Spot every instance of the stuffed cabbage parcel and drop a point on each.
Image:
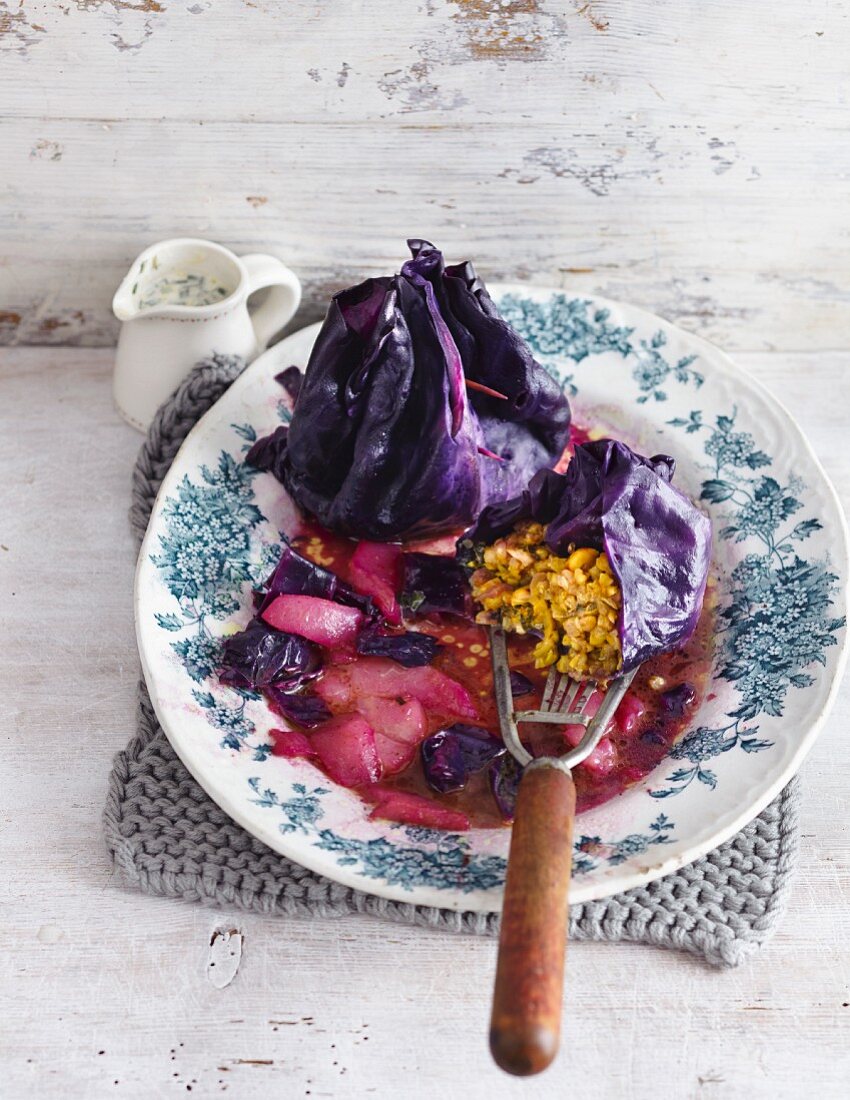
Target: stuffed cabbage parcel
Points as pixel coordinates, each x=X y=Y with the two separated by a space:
x=419 y=406
x=605 y=565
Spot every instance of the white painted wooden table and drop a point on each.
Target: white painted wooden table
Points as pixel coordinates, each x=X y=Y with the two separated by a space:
x=106 y=992
x=690 y=158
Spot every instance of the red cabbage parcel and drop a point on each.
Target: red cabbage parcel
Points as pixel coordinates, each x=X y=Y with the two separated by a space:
x=606 y=563
x=419 y=405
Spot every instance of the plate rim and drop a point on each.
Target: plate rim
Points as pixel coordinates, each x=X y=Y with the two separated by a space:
x=615 y=880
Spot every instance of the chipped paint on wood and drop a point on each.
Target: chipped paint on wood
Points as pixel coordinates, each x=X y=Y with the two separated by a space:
x=120 y=43
x=587 y=10
x=724 y=155
x=46 y=150
x=43 y=322
x=597 y=178
x=130 y=37
x=224 y=956
x=17 y=33
x=9 y=321
x=507 y=30
x=147 y=6
x=413 y=88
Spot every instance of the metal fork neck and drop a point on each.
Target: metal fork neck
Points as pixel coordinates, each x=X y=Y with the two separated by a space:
x=557 y=762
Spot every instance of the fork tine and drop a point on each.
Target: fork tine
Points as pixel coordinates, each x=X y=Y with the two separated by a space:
x=562 y=697
x=572 y=701
x=551 y=681
x=586 y=693
x=564 y=693
x=566 y=696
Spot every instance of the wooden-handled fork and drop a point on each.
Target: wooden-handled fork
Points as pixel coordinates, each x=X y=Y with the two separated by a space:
x=525 y=1026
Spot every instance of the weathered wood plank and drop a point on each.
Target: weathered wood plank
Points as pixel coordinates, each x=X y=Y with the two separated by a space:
x=638 y=151
x=735 y=267
x=525 y=61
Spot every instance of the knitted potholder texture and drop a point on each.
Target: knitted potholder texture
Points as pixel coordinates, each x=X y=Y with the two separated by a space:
x=167 y=837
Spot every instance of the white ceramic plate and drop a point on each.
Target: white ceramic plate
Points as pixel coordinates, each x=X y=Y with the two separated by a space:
x=780 y=557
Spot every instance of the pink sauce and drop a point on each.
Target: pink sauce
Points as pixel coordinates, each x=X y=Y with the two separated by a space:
x=639 y=740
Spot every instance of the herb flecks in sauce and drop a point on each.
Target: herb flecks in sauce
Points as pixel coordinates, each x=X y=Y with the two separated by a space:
x=179 y=288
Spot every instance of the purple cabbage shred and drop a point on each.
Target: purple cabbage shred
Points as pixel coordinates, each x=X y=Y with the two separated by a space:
x=450 y=756
x=260 y=656
x=505 y=774
x=434 y=584
x=411 y=649
x=302 y=708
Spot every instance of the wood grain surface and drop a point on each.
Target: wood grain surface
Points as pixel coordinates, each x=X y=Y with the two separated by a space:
x=691 y=158
x=101 y=985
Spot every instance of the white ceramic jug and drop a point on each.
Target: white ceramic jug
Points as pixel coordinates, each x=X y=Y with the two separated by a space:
x=181 y=301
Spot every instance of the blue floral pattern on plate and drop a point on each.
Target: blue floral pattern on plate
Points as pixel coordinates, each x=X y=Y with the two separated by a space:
x=215 y=534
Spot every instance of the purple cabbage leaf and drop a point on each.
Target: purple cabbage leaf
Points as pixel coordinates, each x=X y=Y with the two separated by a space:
x=269 y=452
x=302 y=708
x=291 y=380
x=411 y=649
x=520 y=684
x=295 y=575
x=259 y=656
x=433 y=584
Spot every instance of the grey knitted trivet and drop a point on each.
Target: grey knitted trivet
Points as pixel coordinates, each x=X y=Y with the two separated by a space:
x=166 y=836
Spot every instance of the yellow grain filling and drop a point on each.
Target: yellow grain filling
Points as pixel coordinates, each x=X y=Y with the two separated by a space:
x=572 y=601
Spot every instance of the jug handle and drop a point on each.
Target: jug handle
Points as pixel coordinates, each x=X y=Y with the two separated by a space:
x=284 y=295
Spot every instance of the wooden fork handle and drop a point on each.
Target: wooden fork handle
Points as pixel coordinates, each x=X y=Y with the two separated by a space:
x=525 y=1027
